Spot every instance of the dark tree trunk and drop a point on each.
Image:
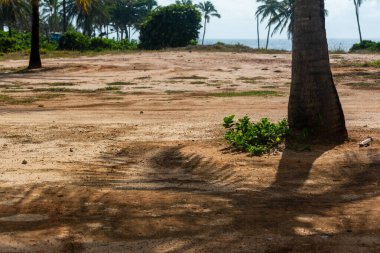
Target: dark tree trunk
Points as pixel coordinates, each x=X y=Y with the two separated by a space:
x=204 y=31
x=269 y=29
x=35 y=59
x=258 y=32
x=314 y=103
x=64 y=12
x=358 y=20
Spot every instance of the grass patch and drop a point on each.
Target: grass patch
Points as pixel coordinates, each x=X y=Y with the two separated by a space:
x=61 y=84
x=363 y=85
x=198 y=82
x=372 y=64
x=176 y=91
x=5 y=99
x=69 y=90
x=120 y=83
x=193 y=77
x=143 y=78
x=255 y=93
x=143 y=87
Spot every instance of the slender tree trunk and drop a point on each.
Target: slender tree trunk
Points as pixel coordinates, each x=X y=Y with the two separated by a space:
x=204 y=31
x=64 y=16
x=269 y=29
x=314 y=102
x=1 y=26
x=358 y=20
x=35 y=59
x=258 y=32
x=10 y=30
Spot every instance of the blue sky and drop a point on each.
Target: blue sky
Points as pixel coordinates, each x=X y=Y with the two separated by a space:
x=238 y=19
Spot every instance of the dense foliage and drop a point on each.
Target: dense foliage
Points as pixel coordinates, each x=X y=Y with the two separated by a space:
x=175 y=25
x=77 y=41
x=74 y=41
x=256 y=138
x=366 y=45
x=18 y=42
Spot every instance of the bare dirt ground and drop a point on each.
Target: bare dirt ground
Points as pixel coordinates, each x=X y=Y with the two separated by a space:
x=143 y=167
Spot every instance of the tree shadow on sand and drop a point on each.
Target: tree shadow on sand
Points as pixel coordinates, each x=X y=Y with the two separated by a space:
x=194 y=198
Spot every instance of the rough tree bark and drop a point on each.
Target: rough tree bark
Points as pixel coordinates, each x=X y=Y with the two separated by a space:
x=314 y=102
x=35 y=59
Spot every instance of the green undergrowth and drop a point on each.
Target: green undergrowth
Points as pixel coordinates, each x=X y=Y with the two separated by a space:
x=256 y=138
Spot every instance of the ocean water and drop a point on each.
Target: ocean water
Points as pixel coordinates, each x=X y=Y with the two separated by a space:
x=284 y=44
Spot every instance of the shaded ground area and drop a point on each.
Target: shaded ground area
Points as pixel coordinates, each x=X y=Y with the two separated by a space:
x=143 y=167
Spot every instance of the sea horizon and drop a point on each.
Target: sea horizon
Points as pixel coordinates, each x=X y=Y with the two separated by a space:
x=335 y=44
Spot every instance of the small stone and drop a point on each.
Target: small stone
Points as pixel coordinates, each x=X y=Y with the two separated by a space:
x=71 y=150
x=24 y=162
x=141 y=112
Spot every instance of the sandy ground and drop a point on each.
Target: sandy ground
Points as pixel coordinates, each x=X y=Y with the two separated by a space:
x=145 y=168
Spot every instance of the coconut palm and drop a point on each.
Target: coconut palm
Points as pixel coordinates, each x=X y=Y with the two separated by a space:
x=209 y=11
x=14 y=14
x=284 y=17
x=184 y=2
x=314 y=103
x=357 y=4
x=267 y=10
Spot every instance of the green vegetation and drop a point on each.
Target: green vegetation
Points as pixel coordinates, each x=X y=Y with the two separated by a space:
x=255 y=93
x=176 y=25
x=373 y=64
x=77 y=41
x=5 y=99
x=256 y=138
x=120 y=83
x=366 y=45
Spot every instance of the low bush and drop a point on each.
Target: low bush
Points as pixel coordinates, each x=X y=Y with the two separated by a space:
x=366 y=45
x=18 y=42
x=74 y=41
x=256 y=138
x=102 y=43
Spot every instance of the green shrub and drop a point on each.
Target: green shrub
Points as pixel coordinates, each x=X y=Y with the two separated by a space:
x=256 y=138
x=8 y=44
x=366 y=45
x=18 y=42
x=74 y=41
x=175 y=25
x=102 y=43
x=127 y=45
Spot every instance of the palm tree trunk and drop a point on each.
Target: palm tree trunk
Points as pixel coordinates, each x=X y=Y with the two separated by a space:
x=35 y=59
x=258 y=31
x=314 y=103
x=269 y=28
x=358 y=20
x=204 y=32
x=64 y=16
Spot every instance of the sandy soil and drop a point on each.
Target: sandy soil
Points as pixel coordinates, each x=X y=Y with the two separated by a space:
x=145 y=168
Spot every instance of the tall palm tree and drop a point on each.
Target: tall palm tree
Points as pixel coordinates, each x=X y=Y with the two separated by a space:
x=314 y=102
x=209 y=11
x=267 y=10
x=284 y=17
x=357 y=4
x=14 y=14
x=184 y=2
